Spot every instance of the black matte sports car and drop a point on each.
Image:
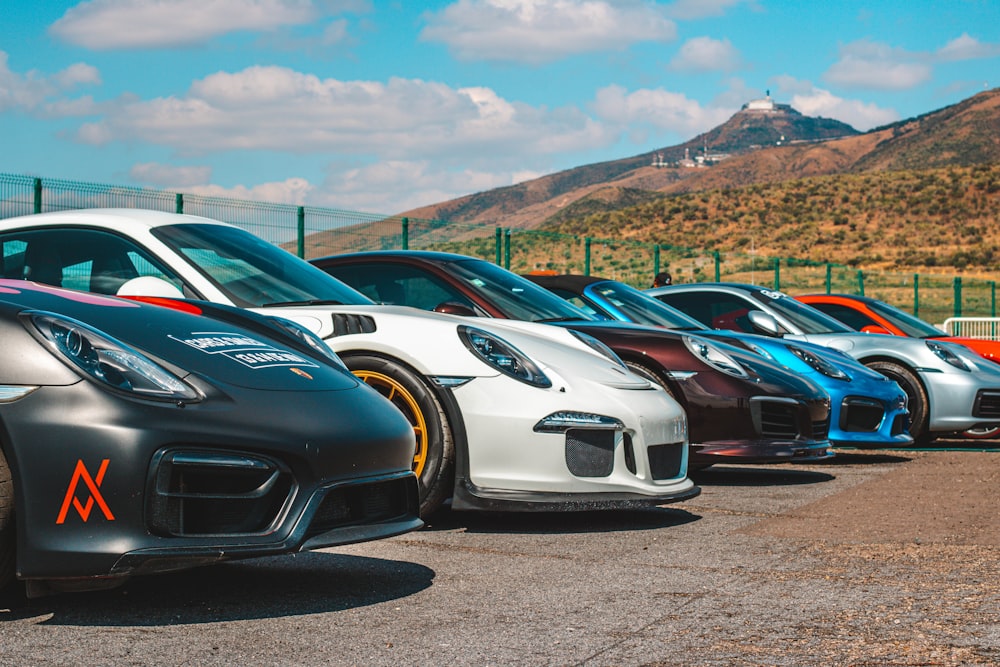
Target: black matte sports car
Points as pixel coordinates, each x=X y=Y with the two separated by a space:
x=139 y=439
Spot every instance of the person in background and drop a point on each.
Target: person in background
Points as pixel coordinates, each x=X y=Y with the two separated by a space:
x=662 y=278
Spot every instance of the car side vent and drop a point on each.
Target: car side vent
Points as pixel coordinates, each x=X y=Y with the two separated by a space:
x=349 y=323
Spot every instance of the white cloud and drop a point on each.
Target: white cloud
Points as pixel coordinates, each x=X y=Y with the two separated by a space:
x=274 y=108
x=32 y=90
x=877 y=66
x=812 y=101
x=168 y=176
x=965 y=47
x=541 y=31
x=137 y=24
x=399 y=185
x=658 y=109
x=704 y=54
x=290 y=191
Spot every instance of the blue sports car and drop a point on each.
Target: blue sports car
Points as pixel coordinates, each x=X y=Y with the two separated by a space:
x=867 y=408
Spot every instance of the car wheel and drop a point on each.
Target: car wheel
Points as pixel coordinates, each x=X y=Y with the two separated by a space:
x=7 y=532
x=649 y=374
x=916 y=397
x=982 y=433
x=433 y=459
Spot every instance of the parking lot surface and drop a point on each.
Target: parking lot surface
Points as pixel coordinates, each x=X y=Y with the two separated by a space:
x=872 y=558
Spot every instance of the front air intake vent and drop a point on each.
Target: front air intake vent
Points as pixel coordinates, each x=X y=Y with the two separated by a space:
x=349 y=323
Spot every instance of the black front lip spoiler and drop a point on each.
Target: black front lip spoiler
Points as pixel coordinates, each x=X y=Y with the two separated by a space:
x=468 y=496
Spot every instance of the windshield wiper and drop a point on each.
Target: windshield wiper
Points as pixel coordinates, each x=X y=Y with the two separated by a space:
x=307 y=302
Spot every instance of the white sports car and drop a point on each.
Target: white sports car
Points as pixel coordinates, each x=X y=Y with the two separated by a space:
x=507 y=415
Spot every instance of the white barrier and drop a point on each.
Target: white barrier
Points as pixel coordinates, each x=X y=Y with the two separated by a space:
x=984 y=328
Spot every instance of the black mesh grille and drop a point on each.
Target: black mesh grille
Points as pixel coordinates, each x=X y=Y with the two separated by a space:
x=347 y=323
x=987 y=404
x=590 y=452
x=361 y=504
x=204 y=492
x=778 y=419
x=861 y=414
x=665 y=460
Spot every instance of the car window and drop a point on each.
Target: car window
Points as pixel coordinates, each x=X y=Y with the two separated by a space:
x=90 y=260
x=398 y=284
x=852 y=318
x=717 y=310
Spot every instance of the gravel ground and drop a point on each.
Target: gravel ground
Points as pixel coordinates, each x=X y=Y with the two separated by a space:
x=873 y=558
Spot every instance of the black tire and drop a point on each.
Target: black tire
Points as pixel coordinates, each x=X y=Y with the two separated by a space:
x=916 y=397
x=434 y=458
x=651 y=375
x=8 y=545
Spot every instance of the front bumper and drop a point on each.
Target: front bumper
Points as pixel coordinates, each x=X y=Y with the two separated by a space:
x=111 y=486
x=514 y=465
x=960 y=400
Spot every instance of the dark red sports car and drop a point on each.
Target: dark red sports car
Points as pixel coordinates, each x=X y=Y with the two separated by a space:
x=740 y=406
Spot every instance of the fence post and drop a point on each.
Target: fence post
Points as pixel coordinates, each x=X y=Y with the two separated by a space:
x=718 y=266
x=958 y=296
x=586 y=256
x=38 y=196
x=777 y=273
x=178 y=203
x=498 y=245
x=656 y=259
x=861 y=282
x=406 y=233
x=993 y=298
x=506 y=249
x=300 y=232
x=916 y=295
x=829 y=278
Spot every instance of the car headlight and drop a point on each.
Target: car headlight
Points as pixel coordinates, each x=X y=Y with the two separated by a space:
x=715 y=357
x=503 y=356
x=949 y=356
x=818 y=363
x=107 y=360
x=599 y=347
x=314 y=342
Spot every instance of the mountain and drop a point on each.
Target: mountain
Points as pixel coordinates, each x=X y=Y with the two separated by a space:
x=762 y=143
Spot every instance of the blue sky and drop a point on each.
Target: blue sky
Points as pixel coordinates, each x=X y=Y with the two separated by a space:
x=382 y=106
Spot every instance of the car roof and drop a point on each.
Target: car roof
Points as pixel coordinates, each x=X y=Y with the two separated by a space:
x=573 y=282
x=430 y=255
x=113 y=218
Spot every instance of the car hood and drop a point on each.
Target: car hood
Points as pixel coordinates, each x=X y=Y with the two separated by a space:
x=430 y=342
x=914 y=351
x=220 y=352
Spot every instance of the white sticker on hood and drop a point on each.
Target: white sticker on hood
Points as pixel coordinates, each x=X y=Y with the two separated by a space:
x=248 y=351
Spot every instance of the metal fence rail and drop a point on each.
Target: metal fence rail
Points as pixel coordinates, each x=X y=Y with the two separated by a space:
x=311 y=232
x=984 y=328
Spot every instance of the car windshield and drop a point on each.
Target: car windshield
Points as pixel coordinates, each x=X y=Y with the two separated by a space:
x=641 y=308
x=517 y=297
x=806 y=318
x=252 y=272
x=908 y=324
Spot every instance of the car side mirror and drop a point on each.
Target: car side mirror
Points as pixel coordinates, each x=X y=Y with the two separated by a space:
x=875 y=329
x=149 y=286
x=764 y=323
x=455 y=308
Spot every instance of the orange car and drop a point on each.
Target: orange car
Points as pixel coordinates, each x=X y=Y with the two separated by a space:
x=877 y=317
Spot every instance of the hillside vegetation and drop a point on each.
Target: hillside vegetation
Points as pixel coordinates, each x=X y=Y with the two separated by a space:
x=914 y=220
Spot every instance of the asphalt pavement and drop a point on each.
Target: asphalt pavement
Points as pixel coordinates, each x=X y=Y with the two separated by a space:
x=770 y=565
